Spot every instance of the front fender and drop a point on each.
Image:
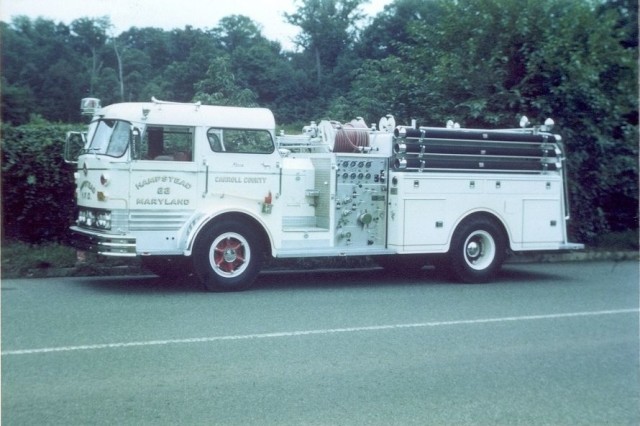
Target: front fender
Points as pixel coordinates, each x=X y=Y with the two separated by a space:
x=201 y=220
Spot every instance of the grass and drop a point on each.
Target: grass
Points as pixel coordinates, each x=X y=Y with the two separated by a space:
x=21 y=260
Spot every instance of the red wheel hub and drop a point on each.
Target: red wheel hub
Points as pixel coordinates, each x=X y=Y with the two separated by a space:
x=229 y=255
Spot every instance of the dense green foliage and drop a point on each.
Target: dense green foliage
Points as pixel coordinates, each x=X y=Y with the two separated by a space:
x=487 y=62
x=482 y=63
x=37 y=185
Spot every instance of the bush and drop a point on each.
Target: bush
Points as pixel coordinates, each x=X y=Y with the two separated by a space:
x=37 y=185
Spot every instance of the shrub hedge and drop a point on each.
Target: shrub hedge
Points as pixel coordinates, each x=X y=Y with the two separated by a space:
x=37 y=185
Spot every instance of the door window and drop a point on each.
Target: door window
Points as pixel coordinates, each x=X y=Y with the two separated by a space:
x=167 y=143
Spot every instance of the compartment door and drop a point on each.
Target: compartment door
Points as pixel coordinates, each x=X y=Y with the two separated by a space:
x=541 y=221
x=424 y=222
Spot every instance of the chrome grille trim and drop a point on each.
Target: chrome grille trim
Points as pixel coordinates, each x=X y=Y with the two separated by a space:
x=155 y=220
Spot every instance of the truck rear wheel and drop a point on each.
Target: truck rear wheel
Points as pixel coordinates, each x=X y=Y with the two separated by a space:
x=227 y=256
x=477 y=251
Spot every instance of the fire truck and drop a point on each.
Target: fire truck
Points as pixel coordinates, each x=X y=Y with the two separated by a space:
x=213 y=191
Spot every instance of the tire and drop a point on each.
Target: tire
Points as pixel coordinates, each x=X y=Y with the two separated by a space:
x=478 y=249
x=170 y=267
x=228 y=256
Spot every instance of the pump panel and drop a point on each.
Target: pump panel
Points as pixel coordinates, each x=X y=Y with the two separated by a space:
x=361 y=201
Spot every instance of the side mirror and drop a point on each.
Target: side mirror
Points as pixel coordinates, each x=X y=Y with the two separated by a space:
x=73 y=146
x=135 y=143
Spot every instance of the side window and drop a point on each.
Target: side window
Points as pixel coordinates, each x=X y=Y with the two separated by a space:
x=167 y=143
x=246 y=141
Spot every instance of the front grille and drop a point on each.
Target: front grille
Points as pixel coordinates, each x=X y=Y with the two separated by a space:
x=156 y=220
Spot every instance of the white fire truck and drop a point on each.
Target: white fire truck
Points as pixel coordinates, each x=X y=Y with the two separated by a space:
x=212 y=190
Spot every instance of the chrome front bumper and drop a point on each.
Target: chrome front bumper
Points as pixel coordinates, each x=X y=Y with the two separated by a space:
x=104 y=244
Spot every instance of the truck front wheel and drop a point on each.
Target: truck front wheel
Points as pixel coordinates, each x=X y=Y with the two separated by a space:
x=227 y=256
x=477 y=251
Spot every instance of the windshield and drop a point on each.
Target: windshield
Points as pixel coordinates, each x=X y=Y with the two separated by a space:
x=111 y=137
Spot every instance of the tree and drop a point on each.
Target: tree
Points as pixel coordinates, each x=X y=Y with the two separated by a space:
x=91 y=34
x=192 y=51
x=220 y=88
x=15 y=93
x=390 y=29
x=479 y=62
x=238 y=32
x=17 y=103
x=485 y=62
x=29 y=49
x=255 y=62
x=328 y=28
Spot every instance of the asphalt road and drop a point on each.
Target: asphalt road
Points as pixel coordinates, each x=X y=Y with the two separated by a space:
x=545 y=344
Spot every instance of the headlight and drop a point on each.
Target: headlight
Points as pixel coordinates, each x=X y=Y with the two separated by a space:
x=103 y=220
x=86 y=218
x=94 y=219
x=90 y=218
